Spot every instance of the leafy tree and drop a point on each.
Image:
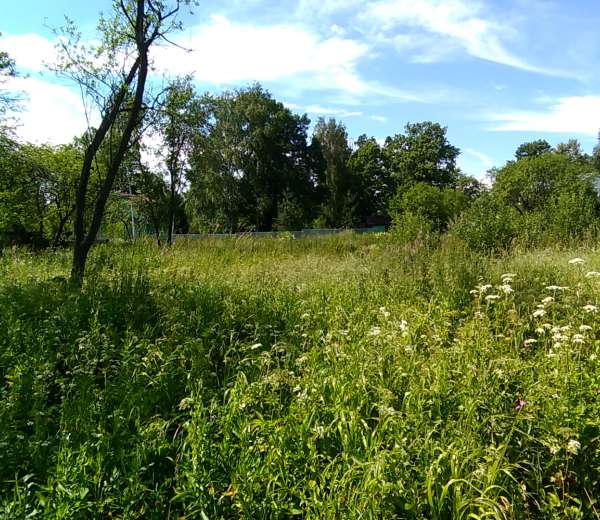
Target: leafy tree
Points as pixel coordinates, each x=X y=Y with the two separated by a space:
x=437 y=206
x=422 y=154
x=572 y=149
x=533 y=149
x=332 y=137
x=252 y=156
x=7 y=70
x=118 y=92
x=179 y=120
x=369 y=178
x=528 y=184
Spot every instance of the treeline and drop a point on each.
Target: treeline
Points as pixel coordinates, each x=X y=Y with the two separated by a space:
x=242 y=161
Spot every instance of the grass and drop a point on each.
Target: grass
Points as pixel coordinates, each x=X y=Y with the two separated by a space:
x=334 y=377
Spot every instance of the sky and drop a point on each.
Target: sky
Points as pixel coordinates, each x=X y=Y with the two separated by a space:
x=496 y=73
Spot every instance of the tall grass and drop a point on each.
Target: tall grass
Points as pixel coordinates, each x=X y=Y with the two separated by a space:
x=334 y=377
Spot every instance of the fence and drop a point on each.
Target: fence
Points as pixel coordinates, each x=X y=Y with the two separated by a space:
x=276 y=234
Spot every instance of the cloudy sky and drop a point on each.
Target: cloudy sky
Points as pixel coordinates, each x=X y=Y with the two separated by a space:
x=496 y=73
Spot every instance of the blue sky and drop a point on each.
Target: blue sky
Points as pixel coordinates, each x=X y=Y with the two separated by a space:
x=496 y=73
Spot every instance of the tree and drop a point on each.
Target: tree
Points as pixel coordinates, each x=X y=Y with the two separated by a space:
x=370 y=179
x=251 y=161
x=7 y=70
x=422 y=154
x=572 y=149
x=118 y=93
x=533 y=149
x=180 y=119
x=333 y=142
x=530 y=183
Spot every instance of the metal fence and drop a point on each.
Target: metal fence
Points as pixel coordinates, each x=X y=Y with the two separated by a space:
x=278 y=234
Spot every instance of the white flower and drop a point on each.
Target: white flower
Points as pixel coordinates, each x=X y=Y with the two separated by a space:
x=540 y=330
x=375 y=331
x=403 y=325
x=593 y=357
x=509 y=275
x=556 y=288
x=577 y=338
x=592 y=274
x=573 y=446
x=547 y=300
x=506 y=289
x=492 y=297
x=539 y=313
x=577 y=261
x=384 y=312
x=485 y=288
x=529 y=342
x=474 y=291
x=584 y=328
x=590 y=308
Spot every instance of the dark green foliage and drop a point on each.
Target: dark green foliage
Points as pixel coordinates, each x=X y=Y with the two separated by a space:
x=253 y=155
x=422 y=154
x=532 y=149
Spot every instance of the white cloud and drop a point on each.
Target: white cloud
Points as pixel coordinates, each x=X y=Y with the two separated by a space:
x=51 y=113
x=30 y=51
x=379 y=119
x=224 y=52
x=572 y=115
x=486 y=162
x=447 y=24
x=329 y=111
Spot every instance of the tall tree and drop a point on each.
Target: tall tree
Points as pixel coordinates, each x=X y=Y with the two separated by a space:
x=422 y=154
x=533 y=149
x=370 y=181
x=180 y=119
x=333 y=140
x=118 y=92
x=252 y=161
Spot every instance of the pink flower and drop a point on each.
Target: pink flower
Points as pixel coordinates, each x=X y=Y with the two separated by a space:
x=519 y=405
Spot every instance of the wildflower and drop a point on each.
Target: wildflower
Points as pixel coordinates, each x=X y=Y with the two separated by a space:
x=506 y=289
x=540 y=330
x=573 y=446
x=547 y=300
x=593 y=357
x=592 y=274
x=585 y=328
x=556 y=288
x=530 y=341
x=577 y=261
x=577 y=338
x=492 y=297
x=474 y=291
x=485 y=288
x=519 y=405
x=384 y=312
x=539 y=313
x=375 y=331
x=509 y=275
x=403 y=325
x=590 y=308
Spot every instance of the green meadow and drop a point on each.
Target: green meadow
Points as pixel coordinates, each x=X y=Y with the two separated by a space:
x=334 y=377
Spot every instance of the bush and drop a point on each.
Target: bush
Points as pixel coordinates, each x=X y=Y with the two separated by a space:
x=488 y=224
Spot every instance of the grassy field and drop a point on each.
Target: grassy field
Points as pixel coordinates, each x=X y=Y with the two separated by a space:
x=339 y=377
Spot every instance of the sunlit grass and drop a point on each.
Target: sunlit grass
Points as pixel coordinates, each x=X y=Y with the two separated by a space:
x=335 y=377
